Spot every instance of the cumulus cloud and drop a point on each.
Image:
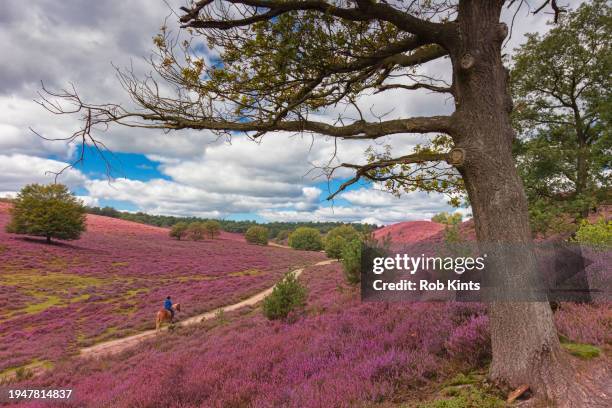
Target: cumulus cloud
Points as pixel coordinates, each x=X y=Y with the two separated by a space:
x=370 y=205
x=159 y=196
x=17 y=170
x=63 y=42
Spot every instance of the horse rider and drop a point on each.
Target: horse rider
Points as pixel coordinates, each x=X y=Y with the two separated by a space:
x=168 y=307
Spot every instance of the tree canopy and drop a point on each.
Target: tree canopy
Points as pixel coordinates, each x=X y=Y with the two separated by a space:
x=49 y=211
x=562 y=88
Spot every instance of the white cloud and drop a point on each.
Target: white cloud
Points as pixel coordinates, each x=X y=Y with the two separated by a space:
x=160 y=196
x=17 y=170
x=62 y=42
x=370 y=205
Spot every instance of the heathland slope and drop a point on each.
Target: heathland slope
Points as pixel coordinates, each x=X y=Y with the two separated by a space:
x=55 y=299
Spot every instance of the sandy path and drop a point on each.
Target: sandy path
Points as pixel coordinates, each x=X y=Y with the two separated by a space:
x=119 y=345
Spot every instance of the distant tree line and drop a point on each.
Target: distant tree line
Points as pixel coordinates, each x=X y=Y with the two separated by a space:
x=276 y=230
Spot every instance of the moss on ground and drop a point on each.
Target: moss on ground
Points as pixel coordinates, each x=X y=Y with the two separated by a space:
x=464 y=390
x=583 y=351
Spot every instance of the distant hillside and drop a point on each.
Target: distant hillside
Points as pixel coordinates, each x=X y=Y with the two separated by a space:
x=409 y=231
x=227 y=225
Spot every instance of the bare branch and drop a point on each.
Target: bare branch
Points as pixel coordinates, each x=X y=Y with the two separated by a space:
x=363 y=170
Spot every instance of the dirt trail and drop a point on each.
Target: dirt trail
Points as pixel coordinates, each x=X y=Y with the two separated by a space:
x=119 y=345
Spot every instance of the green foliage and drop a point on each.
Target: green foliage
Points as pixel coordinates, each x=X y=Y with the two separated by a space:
x=282 y=235
x=561 y=86
x=241 y=227
x=583 y=351
x=447 y=219
x=305 y=238
x=407 y=177
x=196 y=231
x=287 y=296
x=257 y=235
x=212 y=229
x=49 y=211
x=179 y=230
x=598 y=235
x=471 y=396
x=337 y=238
x=351 y=261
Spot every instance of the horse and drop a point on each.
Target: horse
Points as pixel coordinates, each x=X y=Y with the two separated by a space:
x=164 y=315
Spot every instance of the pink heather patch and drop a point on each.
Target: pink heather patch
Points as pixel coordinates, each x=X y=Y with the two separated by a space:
x=409 y=232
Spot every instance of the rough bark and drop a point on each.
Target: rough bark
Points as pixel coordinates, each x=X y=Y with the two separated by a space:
x=525 y=345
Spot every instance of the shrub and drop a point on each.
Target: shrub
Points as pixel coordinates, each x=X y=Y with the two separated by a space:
x=351 y=261
x=447 y=219
x=212 y=229
x=282 y=235
x=337 y=238
x=257 y=235
x=50 y=211
x=196 y=231
x=287 y=296
x=306 y=238
x=179 y=230
x=598 y=234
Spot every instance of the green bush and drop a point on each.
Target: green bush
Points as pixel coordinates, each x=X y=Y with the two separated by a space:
x=196 y=231
x=351 y=261
x=447 y=219
x=287 y=295
x=179 y=230
x=306 y=238
x=597 y=235
x=337 y=238
x=257 y=235
x=50 y=211
x=212 y=229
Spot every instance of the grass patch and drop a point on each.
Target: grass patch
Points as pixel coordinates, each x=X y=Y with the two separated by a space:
x=247 y=272
x=35 y=279
x=583 y=351
x=464 y=379
x=466 y=396
x=49 y=301
x=25 y=371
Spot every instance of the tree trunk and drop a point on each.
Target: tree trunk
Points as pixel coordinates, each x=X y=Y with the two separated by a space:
x=48 y=239
x=525 y=345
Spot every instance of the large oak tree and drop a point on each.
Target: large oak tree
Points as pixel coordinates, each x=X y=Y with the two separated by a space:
x=282 y=61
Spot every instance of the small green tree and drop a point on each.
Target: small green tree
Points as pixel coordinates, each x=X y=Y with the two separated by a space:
x=257 y=235
x=49 y=211
x=196 y=231
x=306 y=238
x=337 y=238
x=179 y=230
x=351 y=261
x=447 y=219
x=598 y=234
x=287 y=295
x=212 y=228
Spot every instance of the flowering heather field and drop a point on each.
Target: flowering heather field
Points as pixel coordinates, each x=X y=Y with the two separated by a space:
x=57 y=298
x=338 y=353
x=409 y=231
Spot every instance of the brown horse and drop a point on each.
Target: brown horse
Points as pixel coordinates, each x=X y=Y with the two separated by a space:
x=164 y=315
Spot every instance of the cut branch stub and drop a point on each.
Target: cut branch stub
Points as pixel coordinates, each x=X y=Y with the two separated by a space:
x=502 y=31
x=456 y=157
x=467 y=61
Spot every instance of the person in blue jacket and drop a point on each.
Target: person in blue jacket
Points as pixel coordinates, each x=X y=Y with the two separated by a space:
x=168 y=307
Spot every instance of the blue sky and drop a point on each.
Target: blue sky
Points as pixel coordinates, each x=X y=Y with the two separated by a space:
x=187 y=172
